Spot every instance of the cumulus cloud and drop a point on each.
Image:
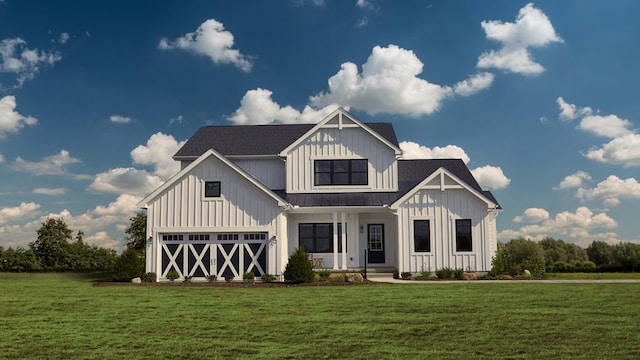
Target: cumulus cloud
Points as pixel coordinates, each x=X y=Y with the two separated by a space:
x=50 y=191
x=16 y=58
x=24 y=210
x=212 y=40
x=125 y=181
x=582 y=226
x=412 y=150
x=64 y=37
x=119 y=119
x=611 y=190
x=609 y=126
x=388 y=83
x=490 y=177
x=532 y=215
x=257 y=107
x=12 y=121
x=158 y=153
x=102 y=239
x=532 y=28
x=50 y=165
x=570 y=111
x=364 y=4
x=574 y=180
x=474 y=84
x=624 y=150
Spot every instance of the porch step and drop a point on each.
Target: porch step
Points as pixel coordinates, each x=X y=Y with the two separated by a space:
x=379 y=275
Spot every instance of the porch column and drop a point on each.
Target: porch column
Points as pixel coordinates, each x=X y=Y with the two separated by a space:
x=343 y=239
x=400 y=226
x=282 y=244
x=335 y=240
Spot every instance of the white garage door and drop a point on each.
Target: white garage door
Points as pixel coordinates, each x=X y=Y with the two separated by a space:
x=201 y=255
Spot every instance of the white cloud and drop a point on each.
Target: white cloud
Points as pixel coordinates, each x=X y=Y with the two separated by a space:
x=257 y=107
x=611 y=190
x=411 y=150
x=531 y=29
x=389 y=83
x=24 y=210
x=490 y=177
x=532 y=215
x=50 y=165
x=10 y=120
x=570 y=111
x=178 y=119
x=574 y=180
x=25 y=63
x=124 y=204
x=64 y=37
x=102 y=239
x=581 y=227
x=609 y=126
x=474 y=84
x=624 y=150
x=50 y=191
x=119 y=119
x=158 y=152
x=125 y=181
x=364 y=4
x=212 y=40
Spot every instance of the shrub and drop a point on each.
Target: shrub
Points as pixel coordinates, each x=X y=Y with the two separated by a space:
x=586 y=266
x=187 y=279
x=172 y=275
x=249 y=276
x=425 y=275
x=561 y=267
x=229 y=278
x=445 y=273
x=324 y=274
x=396 y=274
x=149 y=277
x=516 y=256
x=299 y=269
x=457 y=274
x=337 y=279
x=405 y=275
x=212 y=278
x=129 y=265
x=266 y=277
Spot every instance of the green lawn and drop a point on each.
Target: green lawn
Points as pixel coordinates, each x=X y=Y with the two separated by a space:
x=61 y=317
x=593 y=276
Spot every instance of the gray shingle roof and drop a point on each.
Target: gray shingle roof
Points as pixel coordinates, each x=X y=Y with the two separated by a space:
x=257 y=139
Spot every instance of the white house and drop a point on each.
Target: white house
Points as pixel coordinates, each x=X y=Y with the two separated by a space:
x=247 y=196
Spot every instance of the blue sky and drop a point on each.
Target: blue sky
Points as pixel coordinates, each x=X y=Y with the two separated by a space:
x=95 y=97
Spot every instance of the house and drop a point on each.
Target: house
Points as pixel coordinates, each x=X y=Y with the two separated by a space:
x=247 y=196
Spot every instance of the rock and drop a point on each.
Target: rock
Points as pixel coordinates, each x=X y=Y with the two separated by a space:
x=136 y=280
x=355 y=278
x=469 y=276
x=526 y=273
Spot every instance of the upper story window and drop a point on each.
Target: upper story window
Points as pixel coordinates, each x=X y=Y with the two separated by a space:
x=463 y=235
x=341 y=172
x=212 y=189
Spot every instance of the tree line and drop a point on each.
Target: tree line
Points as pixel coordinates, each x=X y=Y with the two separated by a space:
x=56 y=248
x=554 y=255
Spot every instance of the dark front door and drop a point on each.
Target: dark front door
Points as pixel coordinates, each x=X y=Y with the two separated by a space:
x=375 y=244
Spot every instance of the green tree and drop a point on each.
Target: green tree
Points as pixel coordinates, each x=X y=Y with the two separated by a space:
x=299 y=268
x=627 y=255
x=128 y=265
x=560 y=251
x=51 y=246
x=600 y=253
x=518 y=255
x=136 y=237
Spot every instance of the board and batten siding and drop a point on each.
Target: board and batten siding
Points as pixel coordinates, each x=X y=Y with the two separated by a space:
x=345 y=143
x=442 y=209
x=270 y=172
x=241 y=206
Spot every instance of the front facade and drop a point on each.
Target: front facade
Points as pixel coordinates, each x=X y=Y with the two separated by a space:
x=248 y=196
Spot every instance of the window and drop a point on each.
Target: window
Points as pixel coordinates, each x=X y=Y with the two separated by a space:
x=255 y=236
x=463 y=235
x=172 y=237
x=421 y=236
x=193 y=237
x=318 y=238
x=226 y=237
x=212 y=189
x=341 y=172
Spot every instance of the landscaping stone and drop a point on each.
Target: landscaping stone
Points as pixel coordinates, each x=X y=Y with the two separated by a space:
x=469 y=276
x=353 y=277
x=136 y=280
x=526 y=273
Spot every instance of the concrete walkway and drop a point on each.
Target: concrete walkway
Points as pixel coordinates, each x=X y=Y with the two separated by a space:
x=388 y=278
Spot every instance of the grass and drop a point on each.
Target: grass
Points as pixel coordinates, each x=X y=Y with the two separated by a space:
x=593 y=276
x=58 y=316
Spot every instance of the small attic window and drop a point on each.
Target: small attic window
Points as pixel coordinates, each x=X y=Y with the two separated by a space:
x=212 y=189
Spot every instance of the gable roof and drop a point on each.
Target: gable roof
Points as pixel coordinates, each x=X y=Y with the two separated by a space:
x=341 y=113
x=412 y=173
x=208 y=153
x=230 y=140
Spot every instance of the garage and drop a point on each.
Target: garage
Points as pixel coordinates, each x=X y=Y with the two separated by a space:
x=220 y=254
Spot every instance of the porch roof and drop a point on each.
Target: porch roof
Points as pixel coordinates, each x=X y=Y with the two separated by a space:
x=340 y=199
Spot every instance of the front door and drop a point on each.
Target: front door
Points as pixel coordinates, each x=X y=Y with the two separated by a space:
x=375 y=244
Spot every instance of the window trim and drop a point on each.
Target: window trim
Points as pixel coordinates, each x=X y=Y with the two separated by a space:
x=455 y=231
x=204 y=191
x=330 y=239
x=431 y=236
x=350 y=172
